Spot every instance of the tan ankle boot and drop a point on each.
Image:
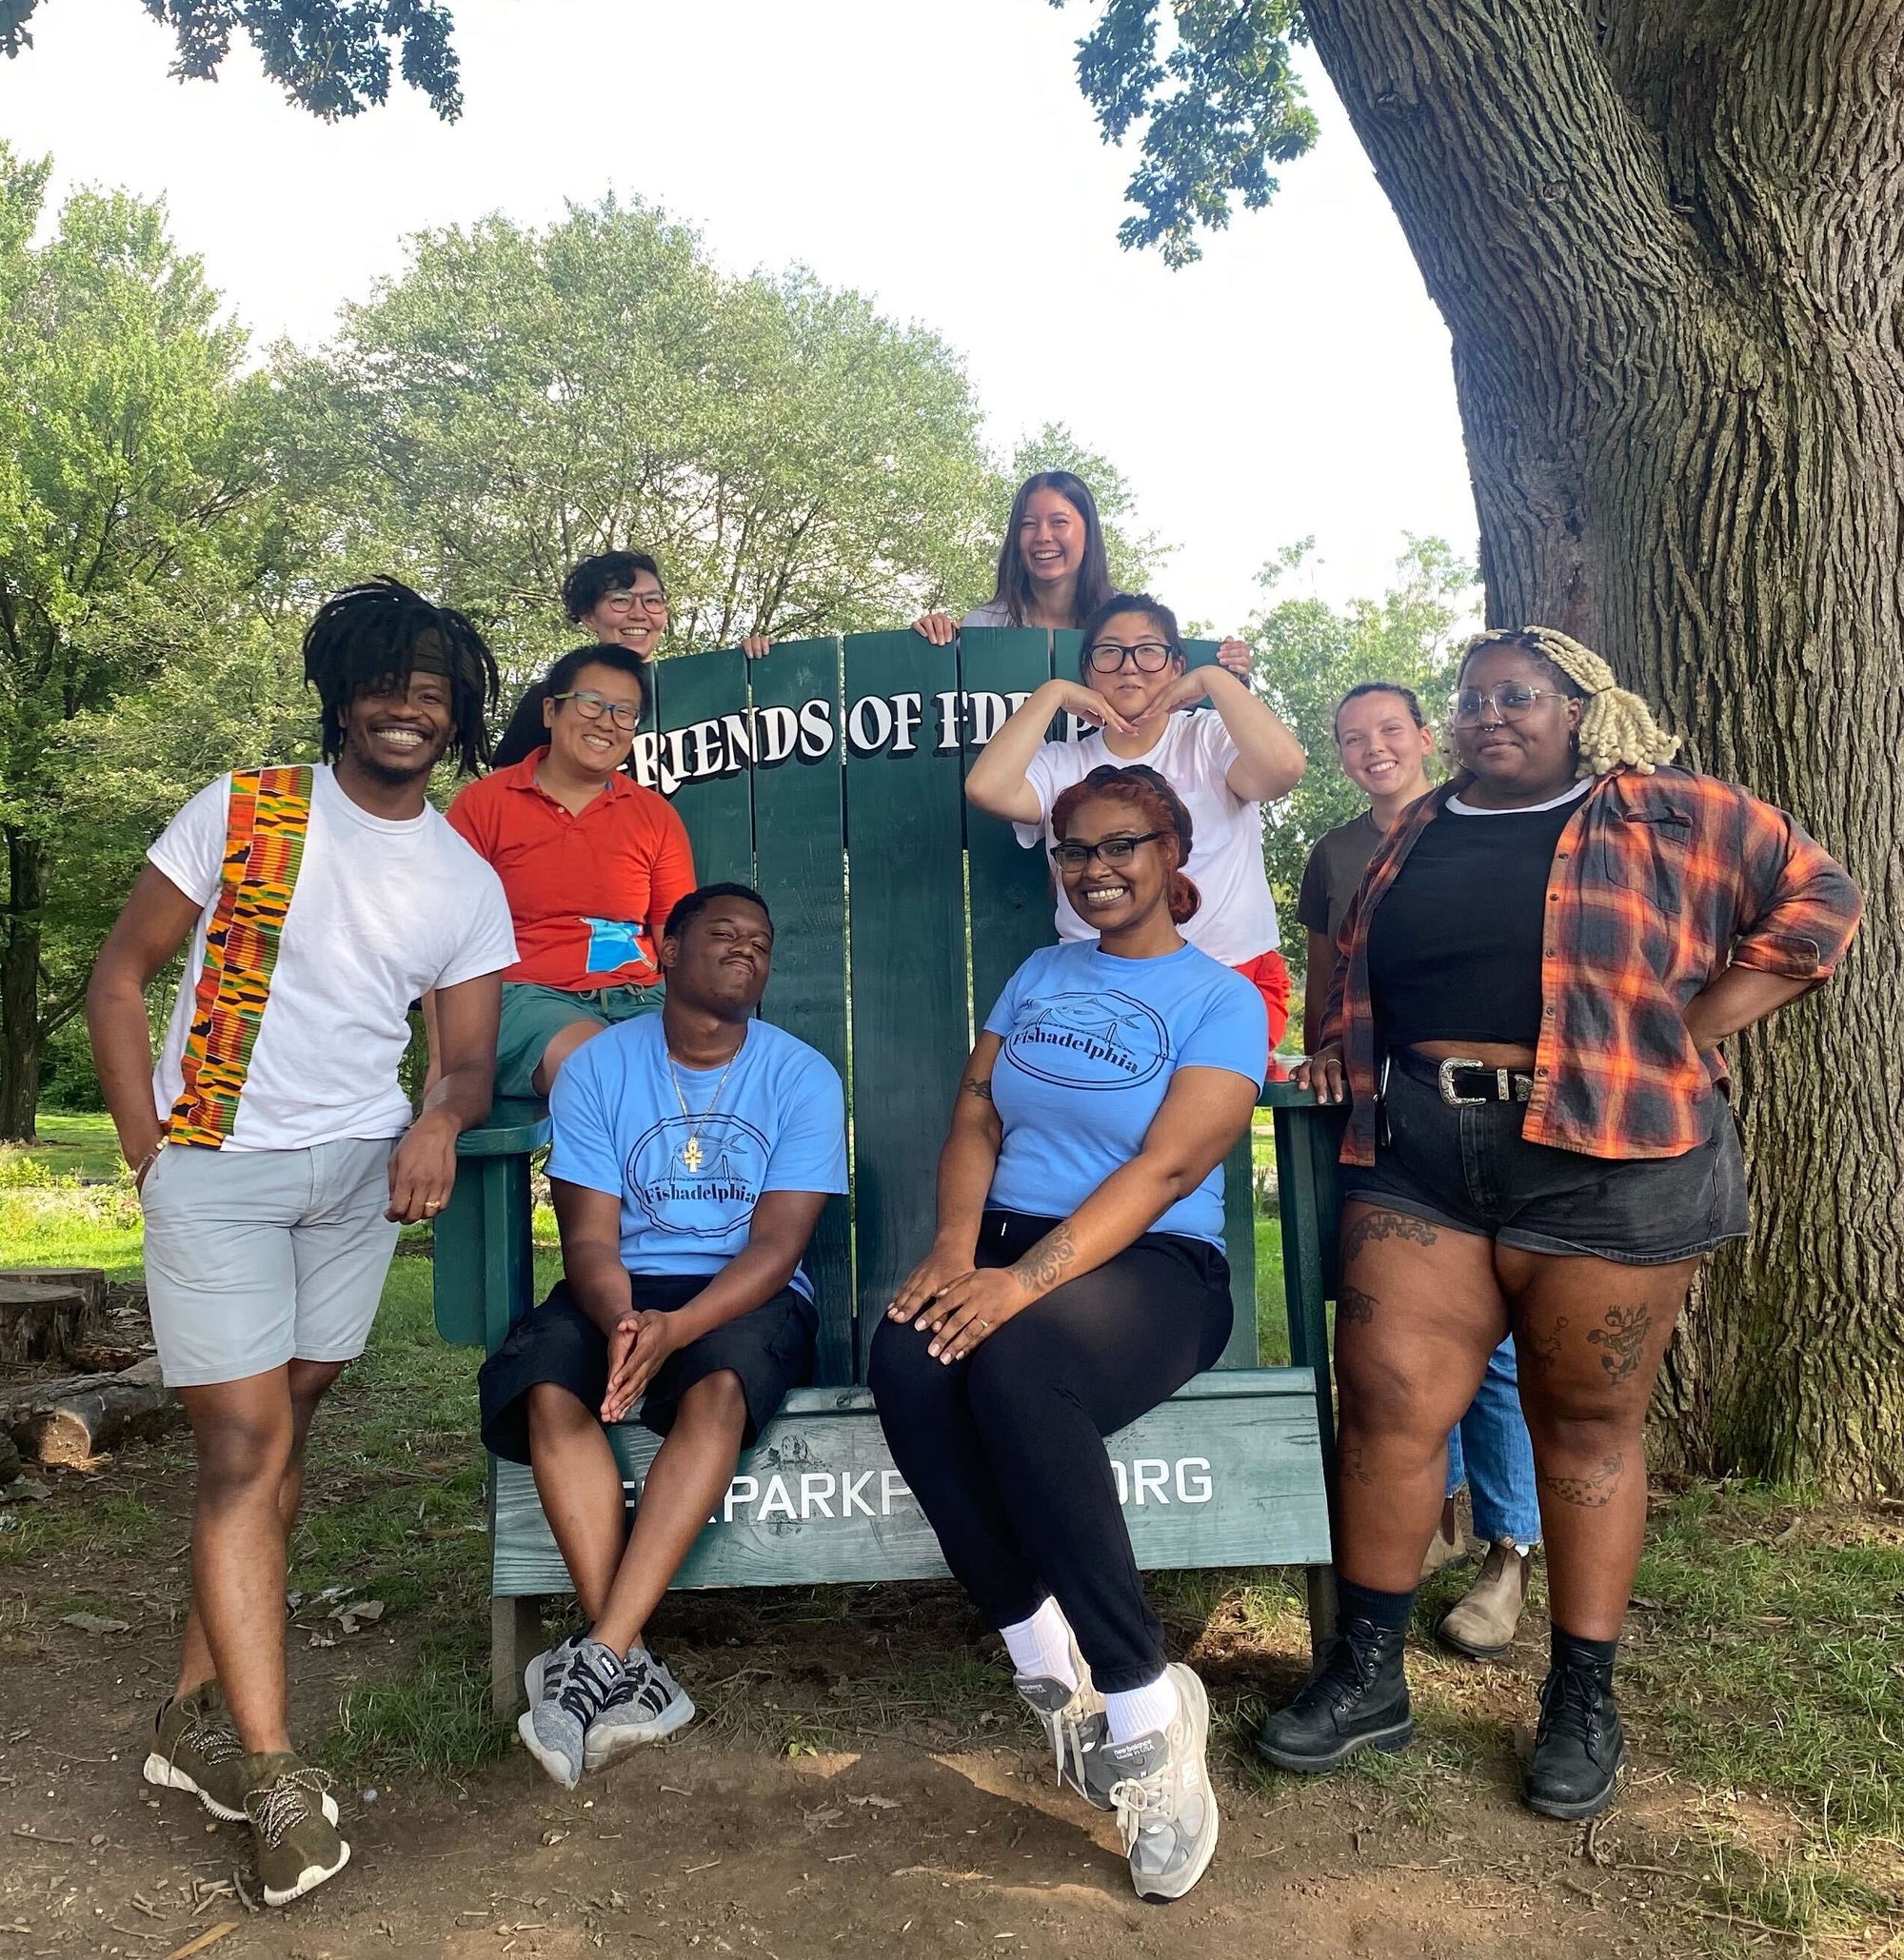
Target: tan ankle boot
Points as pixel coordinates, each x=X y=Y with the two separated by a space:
x=1481 y=1623
x=1446 y=1545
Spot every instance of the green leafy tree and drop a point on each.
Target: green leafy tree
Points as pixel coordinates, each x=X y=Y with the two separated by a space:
x=521 y=398
x=330 y=57
x=136 y=526
x=1307 y=654
x=1664 y=239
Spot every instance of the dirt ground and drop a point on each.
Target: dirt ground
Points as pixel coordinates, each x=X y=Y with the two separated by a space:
x=942 y=1832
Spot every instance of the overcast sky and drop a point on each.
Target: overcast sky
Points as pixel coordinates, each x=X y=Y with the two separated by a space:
x=937 y=157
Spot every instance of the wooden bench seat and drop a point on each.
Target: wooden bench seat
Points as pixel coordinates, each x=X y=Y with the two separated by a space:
x=884 y=955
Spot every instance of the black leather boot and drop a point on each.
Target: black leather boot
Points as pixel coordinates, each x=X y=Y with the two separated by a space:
x=1580 y=1746
x=1357 y=1698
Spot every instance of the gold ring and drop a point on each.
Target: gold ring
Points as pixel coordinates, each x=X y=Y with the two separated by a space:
x=984 y=1326
x=431 y=1204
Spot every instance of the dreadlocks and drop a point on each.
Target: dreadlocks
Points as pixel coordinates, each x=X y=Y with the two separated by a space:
x=1616 y=726
x=376 y=635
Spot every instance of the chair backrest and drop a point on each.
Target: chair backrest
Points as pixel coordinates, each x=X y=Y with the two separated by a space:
x=831 y=776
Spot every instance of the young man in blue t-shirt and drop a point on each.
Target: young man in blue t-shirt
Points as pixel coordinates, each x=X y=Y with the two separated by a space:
x=694 y=1150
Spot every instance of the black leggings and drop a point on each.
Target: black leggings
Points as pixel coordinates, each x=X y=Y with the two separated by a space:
x=1005 y=1451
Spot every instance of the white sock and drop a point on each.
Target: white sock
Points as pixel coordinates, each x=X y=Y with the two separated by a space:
x=1142 y=1711
x=1041 y=1645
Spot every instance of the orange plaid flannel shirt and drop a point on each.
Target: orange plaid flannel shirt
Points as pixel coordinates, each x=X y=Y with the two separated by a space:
x=1658 y=884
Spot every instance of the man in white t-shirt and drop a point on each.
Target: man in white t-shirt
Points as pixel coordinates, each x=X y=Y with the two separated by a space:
x=274 y=1149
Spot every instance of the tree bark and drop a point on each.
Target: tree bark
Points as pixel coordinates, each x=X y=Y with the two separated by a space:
x=1669 y=245
x=20 y=1036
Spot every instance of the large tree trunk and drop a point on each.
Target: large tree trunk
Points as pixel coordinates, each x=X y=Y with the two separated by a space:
x=20 y=988
x=1668 y=240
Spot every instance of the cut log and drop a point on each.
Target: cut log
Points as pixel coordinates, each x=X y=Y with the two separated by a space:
x=40 y=1320
x=90 y=1280
x=72 y=1420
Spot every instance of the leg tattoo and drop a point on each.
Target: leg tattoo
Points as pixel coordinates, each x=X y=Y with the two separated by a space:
x=1354 y=1305
x=1621 y=1340
x=1366 y=1231
x=1590 y=1493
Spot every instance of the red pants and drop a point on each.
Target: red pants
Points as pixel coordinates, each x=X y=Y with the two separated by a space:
x=1270 y=977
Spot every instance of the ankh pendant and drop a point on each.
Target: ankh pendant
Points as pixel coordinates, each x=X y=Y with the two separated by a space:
x=691 y=1154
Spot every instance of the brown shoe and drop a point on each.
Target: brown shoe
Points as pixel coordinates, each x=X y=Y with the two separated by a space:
x=1481 y=1623
x=1446 y=1545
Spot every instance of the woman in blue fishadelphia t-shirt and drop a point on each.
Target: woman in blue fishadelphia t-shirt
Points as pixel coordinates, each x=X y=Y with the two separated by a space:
x=1077 y=1280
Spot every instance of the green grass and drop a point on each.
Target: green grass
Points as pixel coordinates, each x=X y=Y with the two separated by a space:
x=1774 y=1660
x=48 y=1217
x=69 y=1146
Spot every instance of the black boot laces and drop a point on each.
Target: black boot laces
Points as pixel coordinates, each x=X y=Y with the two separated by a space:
x=1571 y=1704
x=1350 y=1670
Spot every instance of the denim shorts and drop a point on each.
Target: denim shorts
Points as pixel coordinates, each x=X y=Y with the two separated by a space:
x=256 y=1256
x=1469 y=1169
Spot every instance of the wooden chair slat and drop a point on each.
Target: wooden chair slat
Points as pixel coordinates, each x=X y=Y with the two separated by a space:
x=799 y=844
x=911 y=1013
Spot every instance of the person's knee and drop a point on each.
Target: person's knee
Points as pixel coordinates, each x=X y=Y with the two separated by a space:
x=1579 y=1431
x=897 y=1368
x=716 y=1401
x=1386 y=1400
x=555 y=1414
x=242 y=1454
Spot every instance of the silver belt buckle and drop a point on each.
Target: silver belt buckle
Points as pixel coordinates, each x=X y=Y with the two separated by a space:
x=1445 y=1082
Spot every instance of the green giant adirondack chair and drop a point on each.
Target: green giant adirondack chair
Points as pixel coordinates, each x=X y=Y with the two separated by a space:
x=831 y=776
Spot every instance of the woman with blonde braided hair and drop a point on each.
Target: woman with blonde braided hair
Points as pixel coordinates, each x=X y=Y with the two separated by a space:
x=1531 y=987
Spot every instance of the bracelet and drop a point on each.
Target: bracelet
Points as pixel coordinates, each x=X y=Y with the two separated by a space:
x=151 y=1158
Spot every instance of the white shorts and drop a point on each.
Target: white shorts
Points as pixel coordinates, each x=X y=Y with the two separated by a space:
x=254 y=1257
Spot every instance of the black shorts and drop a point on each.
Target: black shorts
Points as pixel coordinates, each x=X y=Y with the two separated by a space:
x=1469 y=1169
x=770 y=1349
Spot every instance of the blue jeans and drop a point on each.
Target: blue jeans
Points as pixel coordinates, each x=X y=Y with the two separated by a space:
x=1489 y=1451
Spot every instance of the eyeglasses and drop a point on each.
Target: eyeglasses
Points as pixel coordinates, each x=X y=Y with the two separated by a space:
x=1148 y=656
x=591 y=707
x=627 y=602
x=1113 y=850
x=1511 y=702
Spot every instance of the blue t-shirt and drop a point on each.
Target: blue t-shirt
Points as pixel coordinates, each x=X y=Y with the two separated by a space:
x=689 y=1185
x=1091 y=1042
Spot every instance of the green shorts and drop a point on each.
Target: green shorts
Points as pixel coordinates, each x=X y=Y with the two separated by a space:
x=534 y=1015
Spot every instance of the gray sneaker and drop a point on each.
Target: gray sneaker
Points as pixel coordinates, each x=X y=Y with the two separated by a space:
x=1073 y=1720
x=647 y=1705
x=574 y=1683
x=1166 y=1809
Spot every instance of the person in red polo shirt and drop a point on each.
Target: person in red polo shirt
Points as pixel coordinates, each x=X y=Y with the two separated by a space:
x=591 y=862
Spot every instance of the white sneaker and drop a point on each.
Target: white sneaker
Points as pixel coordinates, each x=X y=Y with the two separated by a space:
x=1166 y=1809
x=647 y=1705
x=1073 y=1720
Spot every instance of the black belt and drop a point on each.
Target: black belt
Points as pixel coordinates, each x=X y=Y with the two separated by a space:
x=1463 y=1082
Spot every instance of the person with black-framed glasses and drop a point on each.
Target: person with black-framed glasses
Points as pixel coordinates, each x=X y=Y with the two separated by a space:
x=591 y=862
x=1132 y=680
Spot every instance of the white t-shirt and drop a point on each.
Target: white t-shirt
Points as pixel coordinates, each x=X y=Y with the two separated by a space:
x=381 y=913
x=1237 y=920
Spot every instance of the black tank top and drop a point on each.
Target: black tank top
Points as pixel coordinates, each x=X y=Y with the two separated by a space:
x=1455 y=944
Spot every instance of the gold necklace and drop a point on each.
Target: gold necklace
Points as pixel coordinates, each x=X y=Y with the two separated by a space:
x=692 y=1156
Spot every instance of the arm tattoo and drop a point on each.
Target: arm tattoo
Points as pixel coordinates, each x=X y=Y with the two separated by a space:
x=1377 y=1225
x=1590 y=1493
x=972 y=1086
x=1621 y=1340
x=1043 y=1266
x=1354 y=1305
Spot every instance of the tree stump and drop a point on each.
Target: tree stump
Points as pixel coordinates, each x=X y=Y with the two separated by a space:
x=40 y=1319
